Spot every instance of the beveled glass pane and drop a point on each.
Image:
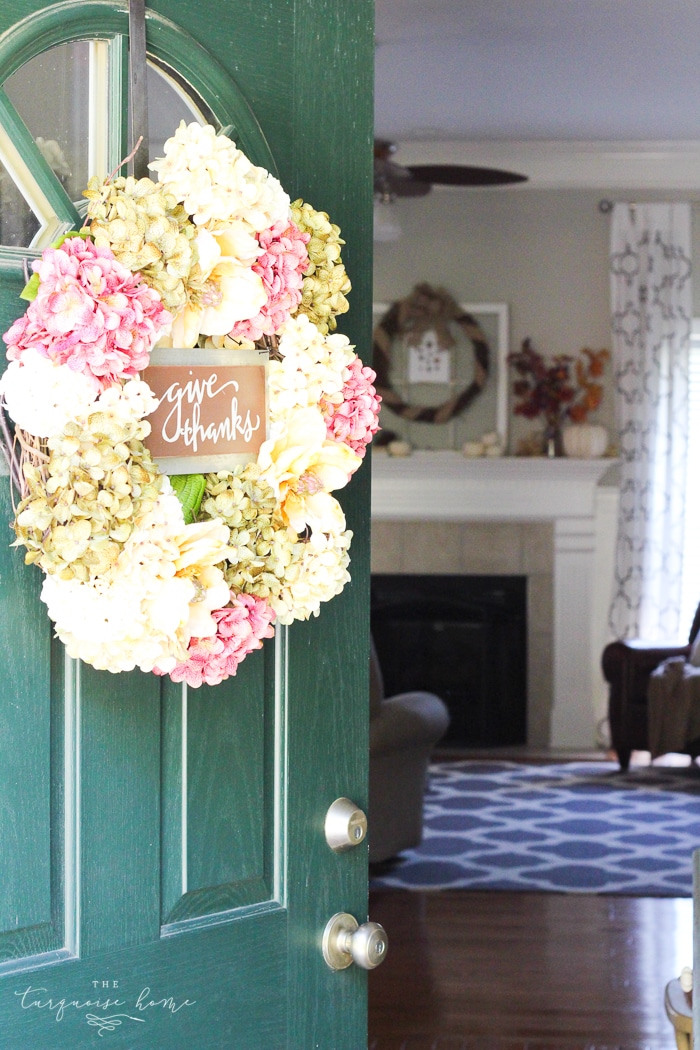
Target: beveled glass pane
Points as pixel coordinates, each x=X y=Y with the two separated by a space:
x=18 y=223
x=169 y=102
x=51 y=94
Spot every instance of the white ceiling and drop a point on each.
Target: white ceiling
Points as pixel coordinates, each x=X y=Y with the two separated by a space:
x=574 y=92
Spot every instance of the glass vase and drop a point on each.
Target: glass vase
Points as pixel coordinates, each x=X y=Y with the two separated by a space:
x=552 y=442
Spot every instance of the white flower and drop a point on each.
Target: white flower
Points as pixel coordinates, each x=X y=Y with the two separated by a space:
x=320 y=575
x=302 y=467
x=131 y=401
x=160 y=593
x=113 y=624
x=42 y=397
x=229 y=290
x=313 y=368
x=216 y=182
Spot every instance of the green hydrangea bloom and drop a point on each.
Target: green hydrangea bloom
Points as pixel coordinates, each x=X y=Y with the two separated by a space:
x=148 y=231
x=81 y=509
x=325 y=284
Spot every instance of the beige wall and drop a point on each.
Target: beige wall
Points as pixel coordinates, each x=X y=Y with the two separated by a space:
x=543 y=252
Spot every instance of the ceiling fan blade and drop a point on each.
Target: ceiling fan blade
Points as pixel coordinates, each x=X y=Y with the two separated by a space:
x=416 y=180
x=463 y=175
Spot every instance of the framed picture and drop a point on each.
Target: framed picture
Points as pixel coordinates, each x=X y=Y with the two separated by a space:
x=428 y=375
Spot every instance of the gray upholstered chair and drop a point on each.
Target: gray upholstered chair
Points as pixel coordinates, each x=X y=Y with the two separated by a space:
x=403 y=730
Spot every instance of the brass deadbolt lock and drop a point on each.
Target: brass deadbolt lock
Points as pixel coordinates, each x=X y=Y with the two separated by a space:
x=345 y=826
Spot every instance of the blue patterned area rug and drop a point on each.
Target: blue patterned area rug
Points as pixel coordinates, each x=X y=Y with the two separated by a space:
x=579 y=827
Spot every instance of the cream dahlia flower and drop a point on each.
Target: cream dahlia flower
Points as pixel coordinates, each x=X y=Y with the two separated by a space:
x=226 y=290
x=302 y=467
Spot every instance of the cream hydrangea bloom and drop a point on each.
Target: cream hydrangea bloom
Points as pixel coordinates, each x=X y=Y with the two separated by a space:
x=325 y=283
x=42 y=396
x=216 y=182
x=97 y=485
x=161 y=591
x=319 y=575
x=147 y=230
x=128 y=401
x=302 y=467
x=261 y=546
x=114 y=625
x=312 y=368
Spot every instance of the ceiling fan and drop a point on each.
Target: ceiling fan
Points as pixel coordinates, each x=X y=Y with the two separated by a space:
x=392 y=180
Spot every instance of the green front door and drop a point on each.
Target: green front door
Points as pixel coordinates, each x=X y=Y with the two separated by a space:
x=164 y=875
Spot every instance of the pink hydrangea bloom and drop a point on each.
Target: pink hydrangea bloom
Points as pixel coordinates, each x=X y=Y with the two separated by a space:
x=90 y=313
x=281 y=268
x=356 y=420
x=240 y=628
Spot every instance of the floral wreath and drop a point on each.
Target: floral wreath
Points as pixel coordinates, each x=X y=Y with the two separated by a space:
x=424 y=310
x=183 y=575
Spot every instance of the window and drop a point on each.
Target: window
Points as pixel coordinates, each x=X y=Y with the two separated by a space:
x=690 y=593
x=58 y=100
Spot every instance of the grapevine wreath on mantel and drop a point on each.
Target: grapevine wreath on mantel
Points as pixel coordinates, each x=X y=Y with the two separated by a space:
x=427 y=309
x=184 y=575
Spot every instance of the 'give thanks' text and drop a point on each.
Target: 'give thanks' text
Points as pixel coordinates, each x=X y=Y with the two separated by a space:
x=183 y=422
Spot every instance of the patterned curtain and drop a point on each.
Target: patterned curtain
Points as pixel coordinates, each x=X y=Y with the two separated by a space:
x=650 y=268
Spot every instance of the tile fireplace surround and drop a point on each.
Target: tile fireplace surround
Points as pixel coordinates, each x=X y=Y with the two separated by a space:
x=547 y=519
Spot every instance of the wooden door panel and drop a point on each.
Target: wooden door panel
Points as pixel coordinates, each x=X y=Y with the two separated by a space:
x=218 y=834
x=27 y=917
x=118 y=811
x=215 y=858
x=226 y=781
x=237 y=979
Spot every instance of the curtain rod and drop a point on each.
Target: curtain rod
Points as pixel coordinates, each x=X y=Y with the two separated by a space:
x=606 y=205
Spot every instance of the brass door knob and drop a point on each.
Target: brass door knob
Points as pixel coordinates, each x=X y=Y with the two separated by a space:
x=346 y=942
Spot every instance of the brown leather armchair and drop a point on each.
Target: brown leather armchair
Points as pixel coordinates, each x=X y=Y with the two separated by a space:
x=627 y=667
x=403 y=730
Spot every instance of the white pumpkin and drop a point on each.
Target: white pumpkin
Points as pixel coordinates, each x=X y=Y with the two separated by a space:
x=585 y=440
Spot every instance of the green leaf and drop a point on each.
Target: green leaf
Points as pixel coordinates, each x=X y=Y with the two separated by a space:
x=189 y=489
x=31 y=288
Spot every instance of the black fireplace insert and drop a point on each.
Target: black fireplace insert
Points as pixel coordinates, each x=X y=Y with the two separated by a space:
x=463 y=638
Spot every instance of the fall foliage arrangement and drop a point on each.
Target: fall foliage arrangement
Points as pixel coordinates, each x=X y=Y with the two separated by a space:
x=561 y=389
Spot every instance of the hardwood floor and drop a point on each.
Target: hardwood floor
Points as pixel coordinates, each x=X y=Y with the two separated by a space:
x=526 y=971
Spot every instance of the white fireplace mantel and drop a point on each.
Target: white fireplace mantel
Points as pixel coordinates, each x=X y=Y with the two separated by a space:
x=444 y=486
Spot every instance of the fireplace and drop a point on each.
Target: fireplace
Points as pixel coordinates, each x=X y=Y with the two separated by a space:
x=547 y=519
x=462 y=637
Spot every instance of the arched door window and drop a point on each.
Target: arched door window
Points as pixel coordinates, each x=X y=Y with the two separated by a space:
x=64 y=104
x=62 y=98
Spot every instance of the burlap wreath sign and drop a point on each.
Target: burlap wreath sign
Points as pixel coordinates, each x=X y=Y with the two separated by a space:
x=428 y=309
